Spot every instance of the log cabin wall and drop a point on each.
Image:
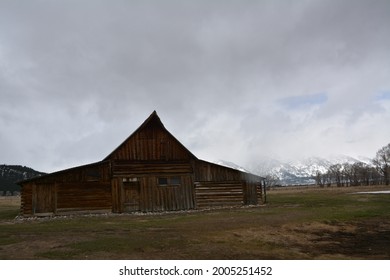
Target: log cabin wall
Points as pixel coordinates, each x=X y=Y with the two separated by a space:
x=217 y=186
x=83 y=188
x=26 y=194
x=218 y=194
x=84 y=196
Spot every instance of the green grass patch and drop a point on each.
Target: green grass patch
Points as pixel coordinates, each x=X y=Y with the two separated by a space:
x=8 y=213
x=327 y=205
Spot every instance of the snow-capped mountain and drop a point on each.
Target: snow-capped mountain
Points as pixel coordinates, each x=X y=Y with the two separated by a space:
x=302 y=171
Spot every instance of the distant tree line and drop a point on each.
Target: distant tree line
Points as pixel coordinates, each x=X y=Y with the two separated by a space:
x=358 y=173
x=11 y=174
x=271 y=181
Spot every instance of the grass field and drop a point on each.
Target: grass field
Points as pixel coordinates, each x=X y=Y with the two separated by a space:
x=329 y=223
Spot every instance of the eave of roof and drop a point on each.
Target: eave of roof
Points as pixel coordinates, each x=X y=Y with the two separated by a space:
x=48 y=175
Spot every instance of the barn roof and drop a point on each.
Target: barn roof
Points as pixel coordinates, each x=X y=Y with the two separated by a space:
x=62 y=171
x=152 y=120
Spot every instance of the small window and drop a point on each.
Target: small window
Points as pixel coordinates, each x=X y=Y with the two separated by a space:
x=162 y=181
x=170 y=181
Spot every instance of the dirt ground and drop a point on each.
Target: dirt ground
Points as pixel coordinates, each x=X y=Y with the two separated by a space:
x=361 y=240
x=275 y=231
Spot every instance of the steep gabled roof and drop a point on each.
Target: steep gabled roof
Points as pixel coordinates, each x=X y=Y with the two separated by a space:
x=152 y=120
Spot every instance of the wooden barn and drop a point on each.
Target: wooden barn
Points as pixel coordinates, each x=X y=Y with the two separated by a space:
x=150 y=171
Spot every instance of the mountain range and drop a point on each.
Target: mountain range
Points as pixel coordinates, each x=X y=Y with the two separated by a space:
x=297 y=171
x=10 y=174
x=288 y=172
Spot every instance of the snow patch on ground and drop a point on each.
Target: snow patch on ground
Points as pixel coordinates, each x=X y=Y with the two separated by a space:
x=376 y=192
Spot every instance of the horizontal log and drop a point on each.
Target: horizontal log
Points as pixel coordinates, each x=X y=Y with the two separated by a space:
x=139 y=169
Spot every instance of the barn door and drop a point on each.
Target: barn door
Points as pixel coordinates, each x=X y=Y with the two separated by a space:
x=131 y=193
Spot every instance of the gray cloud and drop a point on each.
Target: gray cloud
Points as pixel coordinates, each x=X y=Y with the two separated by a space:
x=226 y=77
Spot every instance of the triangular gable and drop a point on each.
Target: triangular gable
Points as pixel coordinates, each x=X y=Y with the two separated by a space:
x=147 y=143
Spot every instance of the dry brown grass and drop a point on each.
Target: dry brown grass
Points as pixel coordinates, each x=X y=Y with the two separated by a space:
x=9 y=201
x=296 y=224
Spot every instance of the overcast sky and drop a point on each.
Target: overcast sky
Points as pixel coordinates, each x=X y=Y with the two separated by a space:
x=233 y=80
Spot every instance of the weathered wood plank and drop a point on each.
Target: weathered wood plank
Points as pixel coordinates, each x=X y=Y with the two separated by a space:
x=213 y=194
x=121 y=168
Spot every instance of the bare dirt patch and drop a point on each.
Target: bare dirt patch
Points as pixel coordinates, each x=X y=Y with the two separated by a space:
x=360 y=240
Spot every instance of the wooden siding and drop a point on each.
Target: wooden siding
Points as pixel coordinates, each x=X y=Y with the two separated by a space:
x=96 y=172
x=61 y=197
x=166 y=198
x=253 y=193
x=206 y=171
x=116 y=195
x=151 y=143
x=132 y=198
x=26 y=207
x=153 y=197
x=218 y=194
x=126 y=186
x=217 y=185
x=145 y=168
x=84 y=196
x=44 y=198
x=76 y=189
